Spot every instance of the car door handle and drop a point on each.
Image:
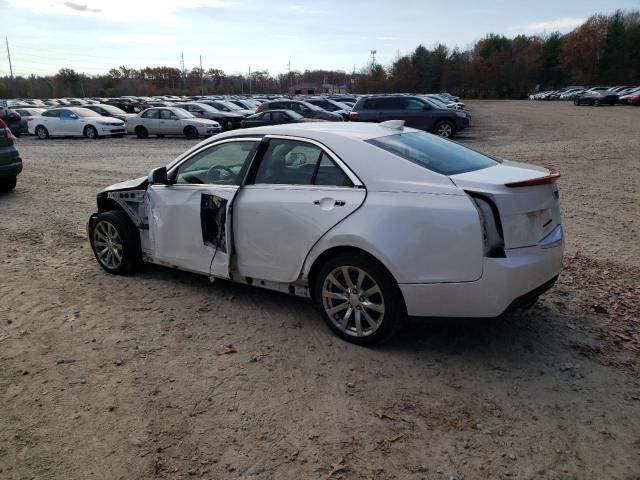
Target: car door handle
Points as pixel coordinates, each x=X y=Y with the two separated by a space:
x=329 y=202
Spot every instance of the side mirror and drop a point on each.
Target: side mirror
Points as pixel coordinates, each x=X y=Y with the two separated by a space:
x=158 y=176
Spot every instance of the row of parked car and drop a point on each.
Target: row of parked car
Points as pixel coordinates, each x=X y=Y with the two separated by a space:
x=195 y=117
x=594 y=96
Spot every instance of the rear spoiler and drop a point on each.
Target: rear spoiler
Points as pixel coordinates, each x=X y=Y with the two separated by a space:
x=550 y=178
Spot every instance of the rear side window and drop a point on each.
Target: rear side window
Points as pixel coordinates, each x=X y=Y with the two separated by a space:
x=434 y=153
x=290 y=162
x=151 y=114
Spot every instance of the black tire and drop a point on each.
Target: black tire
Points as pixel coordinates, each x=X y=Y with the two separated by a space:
x=394 y=311
x=7 y=184
x=141 y=132
x=128 y=246
x=444 y=129
x=91 y=132
x=596 y=103
x=576 y=102
x=190 y=132
x=160 y=136
x=41 y=132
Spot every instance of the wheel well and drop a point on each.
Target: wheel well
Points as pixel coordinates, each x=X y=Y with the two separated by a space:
x=140 y=127
x=444 y=119
x=106 y=204
x=332 y=252
x=189 y=127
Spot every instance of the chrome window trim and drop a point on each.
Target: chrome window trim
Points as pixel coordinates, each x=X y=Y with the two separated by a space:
x=180 y=161
x=338 y=161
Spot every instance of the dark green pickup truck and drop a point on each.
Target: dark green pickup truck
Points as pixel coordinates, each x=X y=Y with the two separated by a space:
x=10 y=161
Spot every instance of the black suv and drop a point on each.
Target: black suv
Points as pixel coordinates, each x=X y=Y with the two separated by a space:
x=416 y=112
x=10 y=161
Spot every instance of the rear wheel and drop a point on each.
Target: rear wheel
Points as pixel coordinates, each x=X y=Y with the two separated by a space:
x=190 y=132
x=91 y=132
x=444 y=128
x=596 y=103
x=359 y=300
x=141 y=132
x=576 y=102
x=7 y=184
x=115 y=241
x=42 y=132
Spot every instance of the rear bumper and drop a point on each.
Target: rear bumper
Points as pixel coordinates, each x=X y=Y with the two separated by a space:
x=506 y=283
x=10 y=170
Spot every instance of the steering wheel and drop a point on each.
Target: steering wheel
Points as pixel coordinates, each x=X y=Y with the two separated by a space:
x=214 y=173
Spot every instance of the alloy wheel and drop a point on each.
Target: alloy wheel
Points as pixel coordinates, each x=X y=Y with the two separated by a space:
x=445 y=130
x=108 y=244
x=353 y=301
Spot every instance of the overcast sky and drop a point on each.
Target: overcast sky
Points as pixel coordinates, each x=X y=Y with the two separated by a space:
x=94 y=35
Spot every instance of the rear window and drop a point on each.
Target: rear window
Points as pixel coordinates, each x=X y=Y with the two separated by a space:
x=432 y=152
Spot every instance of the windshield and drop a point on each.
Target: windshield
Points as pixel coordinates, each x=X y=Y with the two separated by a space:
x=433 y=152
x=230 y=105
x=313 y=107
x=112 y=109
x=182 y=113
x=437 y=101
x=85 y=112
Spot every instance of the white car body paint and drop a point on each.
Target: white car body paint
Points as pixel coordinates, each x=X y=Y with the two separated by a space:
x=169 y=126
x=421 y=225
x=75 y=127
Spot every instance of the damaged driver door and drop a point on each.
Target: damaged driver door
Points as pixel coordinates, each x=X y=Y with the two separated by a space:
x=190 y=214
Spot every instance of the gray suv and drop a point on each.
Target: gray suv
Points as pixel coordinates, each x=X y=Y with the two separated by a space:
x=417 y=112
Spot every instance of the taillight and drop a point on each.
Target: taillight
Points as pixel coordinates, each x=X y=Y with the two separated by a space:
x=259 y=109
x=29 y=119
x=2 y=124
x=551 y=178
x=353 y=115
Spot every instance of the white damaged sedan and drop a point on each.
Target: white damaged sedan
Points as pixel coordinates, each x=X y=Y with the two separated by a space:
x=373 y=222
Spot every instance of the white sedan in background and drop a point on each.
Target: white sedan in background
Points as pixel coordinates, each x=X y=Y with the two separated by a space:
x=74 y=122
x=163 y=121
x=373 y=222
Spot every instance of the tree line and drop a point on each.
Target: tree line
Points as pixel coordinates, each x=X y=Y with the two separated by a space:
x=604 y=50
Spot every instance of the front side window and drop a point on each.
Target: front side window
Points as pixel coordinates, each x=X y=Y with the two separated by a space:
x=414 y=104
x=433 y=152
x=290 y=162
x=67 y=114
x=167 y=115
x=217 y=165
x=51 y=113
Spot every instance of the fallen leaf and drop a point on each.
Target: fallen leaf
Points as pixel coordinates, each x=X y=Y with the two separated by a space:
x=228 y=349
x=339 y=466
x=395 y=438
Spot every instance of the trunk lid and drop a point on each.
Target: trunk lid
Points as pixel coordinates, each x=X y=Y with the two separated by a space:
x=528 y=213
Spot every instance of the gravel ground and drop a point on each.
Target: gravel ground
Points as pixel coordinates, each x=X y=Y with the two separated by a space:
x=163 y=375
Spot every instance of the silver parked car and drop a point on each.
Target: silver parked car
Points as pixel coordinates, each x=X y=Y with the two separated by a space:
x=374 y=222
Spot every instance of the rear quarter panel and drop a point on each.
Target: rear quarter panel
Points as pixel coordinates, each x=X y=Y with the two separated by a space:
x=419 y=237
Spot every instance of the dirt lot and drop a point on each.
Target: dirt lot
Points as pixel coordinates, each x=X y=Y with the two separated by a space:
x=135 y=378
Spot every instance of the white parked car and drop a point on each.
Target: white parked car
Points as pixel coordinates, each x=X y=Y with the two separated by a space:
x=163 y=121
x=374 y=222
x=74 y=122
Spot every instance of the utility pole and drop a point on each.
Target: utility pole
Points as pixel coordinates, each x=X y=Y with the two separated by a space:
x=249 y=79
x=373 y=60
x=182 y=64
x=201 y=77
x=9 y=57
x=289 y=75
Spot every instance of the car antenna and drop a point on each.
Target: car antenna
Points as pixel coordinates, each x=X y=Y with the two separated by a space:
x=394 y=124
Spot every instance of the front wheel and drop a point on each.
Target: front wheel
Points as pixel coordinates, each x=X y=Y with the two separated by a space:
x=596 y=103
x=91 y=132
x=7 y=184
x=576 y=102
x=190 y=133
x=444 y=129
x=115 y=242
x=359 y=299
